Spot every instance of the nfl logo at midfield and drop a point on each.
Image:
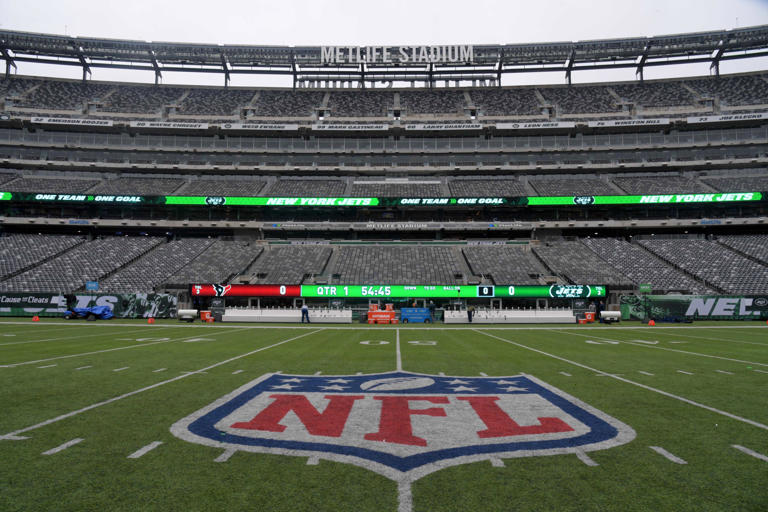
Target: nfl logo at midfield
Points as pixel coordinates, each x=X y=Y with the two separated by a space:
x=402 y=425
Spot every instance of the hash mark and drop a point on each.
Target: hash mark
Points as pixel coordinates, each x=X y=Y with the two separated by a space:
x=683 y=371
x=159 y=370
x=47 y=366
x=84 y=367
x=566 y=374
x=224 y=457
x=750 y=452
x=496 y=462
x=142 y=451
x=645 y=373
x=583 y=457
x=664 y=453
x=725 y=372
x=63 y=446
x=236 y=372
x=313 y=461
x=121 y=369
x=483 y=374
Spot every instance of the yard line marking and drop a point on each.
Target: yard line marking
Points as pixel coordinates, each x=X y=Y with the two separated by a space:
x=224 y=457
x=678 y=341
x=121 y=369
x=664 y=453
x=313 y=461
x=622 y=379
x=496 y=462
x=483 y=374
x=761 y=371
x=683 y=371
x=583 y=457
x=725 y=372
x=141 y=451
x=628 y=342
x=47 y=366
x=159 y=370
x=12 y=438
x=63 y=446
x=195 y=372
x=153 y=386
x=566 y=374
x=236 y=372
x=399 y=356
x=95 y=352
x=84 y=367
x=404 y=497
x=750 y=452
x=645 y=373
x=58 y=339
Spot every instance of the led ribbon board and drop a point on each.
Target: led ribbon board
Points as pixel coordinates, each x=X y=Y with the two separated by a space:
x=398 y=291
x=357 y=202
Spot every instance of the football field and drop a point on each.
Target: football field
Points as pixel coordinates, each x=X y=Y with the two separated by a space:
x=128 y=416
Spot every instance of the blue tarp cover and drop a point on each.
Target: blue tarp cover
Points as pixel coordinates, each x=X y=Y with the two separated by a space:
x=102 y=312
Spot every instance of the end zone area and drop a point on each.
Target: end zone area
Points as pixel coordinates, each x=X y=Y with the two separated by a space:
x=88 y=411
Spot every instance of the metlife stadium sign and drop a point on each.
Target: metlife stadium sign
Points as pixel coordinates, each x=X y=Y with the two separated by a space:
x=396 y=54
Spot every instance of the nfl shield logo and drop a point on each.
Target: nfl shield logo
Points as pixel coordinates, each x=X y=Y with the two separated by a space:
x=402 y=425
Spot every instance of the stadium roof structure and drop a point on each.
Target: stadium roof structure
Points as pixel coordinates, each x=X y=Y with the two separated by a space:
x=307 y=63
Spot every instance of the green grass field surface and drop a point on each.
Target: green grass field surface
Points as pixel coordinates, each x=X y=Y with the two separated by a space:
x=692 y=390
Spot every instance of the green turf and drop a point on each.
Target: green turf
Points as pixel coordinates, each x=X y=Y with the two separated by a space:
x=725 y=367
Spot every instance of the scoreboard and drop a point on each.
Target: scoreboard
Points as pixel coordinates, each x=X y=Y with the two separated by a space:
x=344 y=291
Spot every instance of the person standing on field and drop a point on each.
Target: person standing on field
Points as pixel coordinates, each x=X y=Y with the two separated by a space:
x=304 y=313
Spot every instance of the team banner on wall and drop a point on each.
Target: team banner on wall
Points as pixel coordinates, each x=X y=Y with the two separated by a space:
x=135 y=305
x=694 y=307
x=657 y=199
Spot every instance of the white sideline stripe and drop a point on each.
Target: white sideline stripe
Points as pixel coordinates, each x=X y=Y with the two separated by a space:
x=685 y=372
x=153 y=386
x=84 y=367
x=224 y=457
x=399 y=361
x=645 y=373
x=413 y=327
x=638 y=384
x=750 y=452
x=141 y=451
x=629 y=342
x=313 y=461
x=566 y=374
x=664 y=453
x=725 y=372
x=47 y=366
x=159 y=370
x=58 y=339
x=240 y=371
x=63 y=446
x=497 y=462
x=583 y=457
x=121 y=369
x=714 y=339
x=404 y=497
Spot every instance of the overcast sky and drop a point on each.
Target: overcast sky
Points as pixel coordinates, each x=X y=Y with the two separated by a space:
x=395 y=22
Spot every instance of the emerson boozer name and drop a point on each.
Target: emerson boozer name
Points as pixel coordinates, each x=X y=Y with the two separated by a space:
x=397 y=54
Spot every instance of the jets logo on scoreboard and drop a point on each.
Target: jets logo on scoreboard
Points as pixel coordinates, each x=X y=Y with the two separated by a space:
x=402 y=425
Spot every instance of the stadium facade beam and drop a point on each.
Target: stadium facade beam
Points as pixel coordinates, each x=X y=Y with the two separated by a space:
x=225 y=66
x=717 y=56
x=81 y=58
x=155 y=66
x=8 y=58
x=641 y=61
x=569 y=66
